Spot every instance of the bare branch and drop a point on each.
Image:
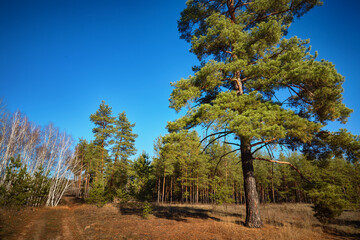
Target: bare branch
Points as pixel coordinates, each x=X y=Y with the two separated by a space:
x=301 y=97
x=224 y=156
x=244 y=79
x=235 y=144
x=270 y=152
x=286 y=163
x=213 y=134
x=207 y=145
x=302 y=88
x=265 y=17
x=241 y=4
x=231 y=10
x=262 y=142
x=261 y=147
x=266 y=143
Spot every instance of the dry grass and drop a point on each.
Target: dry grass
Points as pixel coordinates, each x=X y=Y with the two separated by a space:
x=282 y=221
x=291 y=221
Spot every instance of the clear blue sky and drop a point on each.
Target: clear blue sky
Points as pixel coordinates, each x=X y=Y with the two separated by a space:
x=59 y=59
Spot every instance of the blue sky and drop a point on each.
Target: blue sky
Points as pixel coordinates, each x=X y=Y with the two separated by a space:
x=59 y=59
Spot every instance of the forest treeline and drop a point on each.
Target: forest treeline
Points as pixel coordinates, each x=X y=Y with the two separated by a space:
x=188 y=169
x=38 y=164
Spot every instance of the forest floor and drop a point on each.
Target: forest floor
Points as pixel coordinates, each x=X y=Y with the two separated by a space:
x=73 y=221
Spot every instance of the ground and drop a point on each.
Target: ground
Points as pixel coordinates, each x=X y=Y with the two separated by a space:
x=73 y=221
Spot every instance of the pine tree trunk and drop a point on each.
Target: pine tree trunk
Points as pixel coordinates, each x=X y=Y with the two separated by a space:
x=79 y=180
x=158 y=188
x=286 y=187
x=253 y=219
x=113 y=173
x=163 y=190
x=197 y=189
x=182 y=191
x=241 y=196
x=102 y=158
x=87 y=183
x=272 y=182
x=191 y=193
x=186 y=187
x=171 y=189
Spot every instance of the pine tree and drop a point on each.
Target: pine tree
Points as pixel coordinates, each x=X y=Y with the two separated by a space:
x=246 y=60
x=103 y=129
x=123 y=146
x=141 y=179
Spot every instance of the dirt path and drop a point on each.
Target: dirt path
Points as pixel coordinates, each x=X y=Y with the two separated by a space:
x=52 y=223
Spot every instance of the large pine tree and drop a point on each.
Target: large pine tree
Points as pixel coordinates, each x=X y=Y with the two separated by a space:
x=103 y=129
x=246 y=64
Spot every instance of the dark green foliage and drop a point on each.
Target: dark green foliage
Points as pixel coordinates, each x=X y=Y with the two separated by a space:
x=97 y=195
x=103 y=124
x=340 y=144
x=123 y=146
x=146 y=210
x=123 y=137
x=17 y=185
x=105 y=161
x=222 y=193
x=329 y=202
x=122 y=195
x=41 y=186
x=142 y=182
x=335 y=187
x=102 y=131
x=20 y=188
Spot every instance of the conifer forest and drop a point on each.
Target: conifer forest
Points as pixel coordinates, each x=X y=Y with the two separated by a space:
x=252 y=146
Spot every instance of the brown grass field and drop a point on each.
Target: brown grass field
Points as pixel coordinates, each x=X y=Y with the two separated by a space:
x=81 y=221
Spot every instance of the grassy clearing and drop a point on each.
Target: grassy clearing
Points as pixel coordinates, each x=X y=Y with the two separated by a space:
x=113 y=221
x=292 y=221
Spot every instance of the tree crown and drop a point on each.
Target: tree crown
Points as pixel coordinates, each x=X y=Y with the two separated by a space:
x=248 y=65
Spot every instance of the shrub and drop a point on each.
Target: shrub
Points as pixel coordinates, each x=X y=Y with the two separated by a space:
x=97 y=195
x=222 y=193
x=20 y=188
x=146 y=210
x=329 y=202
x=122 y=195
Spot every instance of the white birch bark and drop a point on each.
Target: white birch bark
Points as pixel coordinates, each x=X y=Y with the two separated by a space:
x=37 y=147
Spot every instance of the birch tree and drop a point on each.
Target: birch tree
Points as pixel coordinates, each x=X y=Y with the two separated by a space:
x=43 y=154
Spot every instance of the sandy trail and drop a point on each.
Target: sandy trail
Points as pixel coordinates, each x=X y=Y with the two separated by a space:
x=52 y=223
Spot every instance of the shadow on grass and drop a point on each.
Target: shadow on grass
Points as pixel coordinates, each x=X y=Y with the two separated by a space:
x=342 y=222
x=336 y=232
x=273 y=223
x=178 y=213
x=181 y=213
